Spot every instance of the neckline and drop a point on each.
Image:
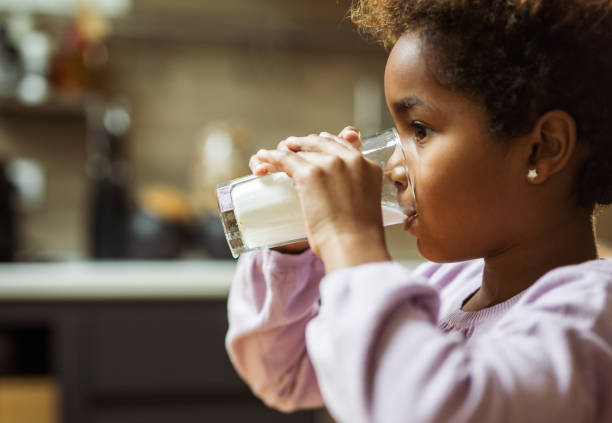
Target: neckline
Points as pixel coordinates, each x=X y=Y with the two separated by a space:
x=459 y=317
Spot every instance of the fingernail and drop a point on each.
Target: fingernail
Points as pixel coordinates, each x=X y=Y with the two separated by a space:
x=291 y=140
x=354 y=130
x=261 y=153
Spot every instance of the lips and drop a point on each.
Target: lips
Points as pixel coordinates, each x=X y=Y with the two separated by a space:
x=411 y=215
x=409 y=221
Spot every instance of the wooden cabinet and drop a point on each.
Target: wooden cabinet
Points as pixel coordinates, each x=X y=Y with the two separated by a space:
x=28 y=399
x=150 y=361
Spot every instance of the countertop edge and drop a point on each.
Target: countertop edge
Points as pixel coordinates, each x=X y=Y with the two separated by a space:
x=110 y=281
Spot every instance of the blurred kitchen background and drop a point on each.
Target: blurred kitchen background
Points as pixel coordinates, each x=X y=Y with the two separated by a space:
x=117 y=120
x=119 y=117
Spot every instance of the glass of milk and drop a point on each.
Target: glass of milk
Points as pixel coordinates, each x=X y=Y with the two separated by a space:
x=264 y=212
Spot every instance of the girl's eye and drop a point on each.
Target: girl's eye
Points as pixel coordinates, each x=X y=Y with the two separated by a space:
x=420 y=131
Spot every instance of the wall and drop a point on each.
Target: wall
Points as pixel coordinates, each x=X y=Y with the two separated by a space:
x=295 y=74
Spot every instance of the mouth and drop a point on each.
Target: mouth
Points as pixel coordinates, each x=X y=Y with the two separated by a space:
x=410 y=220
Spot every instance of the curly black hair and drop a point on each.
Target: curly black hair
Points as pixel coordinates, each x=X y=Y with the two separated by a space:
x=520 y=58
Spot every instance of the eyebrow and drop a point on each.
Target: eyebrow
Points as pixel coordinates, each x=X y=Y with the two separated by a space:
x=411 y=101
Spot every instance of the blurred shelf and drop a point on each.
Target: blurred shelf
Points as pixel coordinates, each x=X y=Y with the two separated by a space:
x=58 y=105
x=318 y=37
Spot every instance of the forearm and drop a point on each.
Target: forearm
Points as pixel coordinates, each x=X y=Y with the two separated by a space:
x=272 y=298
x=352 y=249
x=343 y=339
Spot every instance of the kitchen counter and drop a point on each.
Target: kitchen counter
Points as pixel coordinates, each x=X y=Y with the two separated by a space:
x=121 y=280
x=110 y=280
x=128 y=342
x=131 y=341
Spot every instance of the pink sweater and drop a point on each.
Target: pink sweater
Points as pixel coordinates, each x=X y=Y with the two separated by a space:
x=378 y=343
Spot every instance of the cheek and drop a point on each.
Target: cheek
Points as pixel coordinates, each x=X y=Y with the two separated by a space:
x=460 y=203
x=444 y=178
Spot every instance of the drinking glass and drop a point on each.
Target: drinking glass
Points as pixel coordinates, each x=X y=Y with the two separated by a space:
x=264 y=212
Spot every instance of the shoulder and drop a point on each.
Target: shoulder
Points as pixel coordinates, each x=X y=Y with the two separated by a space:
x=440 y=275
x=588 y=277
x=591 y=280
x=580 y=294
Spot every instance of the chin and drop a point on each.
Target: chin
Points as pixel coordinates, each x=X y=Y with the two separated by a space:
x=439 y=254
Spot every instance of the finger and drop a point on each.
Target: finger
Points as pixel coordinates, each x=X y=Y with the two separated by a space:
x=253 y=163
x=316 y=158
x=282 y=161
x=283 y=146
x=353 y=145
x=260 y=169
x=325 y=143
x=352 y=135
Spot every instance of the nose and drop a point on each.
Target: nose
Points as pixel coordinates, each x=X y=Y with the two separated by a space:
x=396 y=170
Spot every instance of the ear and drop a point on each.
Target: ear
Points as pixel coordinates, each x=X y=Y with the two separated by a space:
x=553 y=142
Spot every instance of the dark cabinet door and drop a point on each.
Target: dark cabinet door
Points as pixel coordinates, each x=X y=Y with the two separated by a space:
x=144 y=361
x=155 y=349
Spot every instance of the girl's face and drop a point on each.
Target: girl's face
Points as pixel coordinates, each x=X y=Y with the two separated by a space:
x=468 y=186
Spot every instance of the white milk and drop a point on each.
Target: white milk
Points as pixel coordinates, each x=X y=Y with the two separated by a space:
x=268 y=211
x=392 y=215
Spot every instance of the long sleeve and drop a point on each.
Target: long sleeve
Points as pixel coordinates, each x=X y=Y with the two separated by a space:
x=380 y=356
x=272 y=299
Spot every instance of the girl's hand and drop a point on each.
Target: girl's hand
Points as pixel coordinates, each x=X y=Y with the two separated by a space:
x=259 y=168
x=340 y=192
x=350 y=133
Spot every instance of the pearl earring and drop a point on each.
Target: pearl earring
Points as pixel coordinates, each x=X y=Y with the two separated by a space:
x=532 y=174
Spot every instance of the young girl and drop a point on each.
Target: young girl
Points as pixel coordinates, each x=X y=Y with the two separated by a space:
x=504 y=112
